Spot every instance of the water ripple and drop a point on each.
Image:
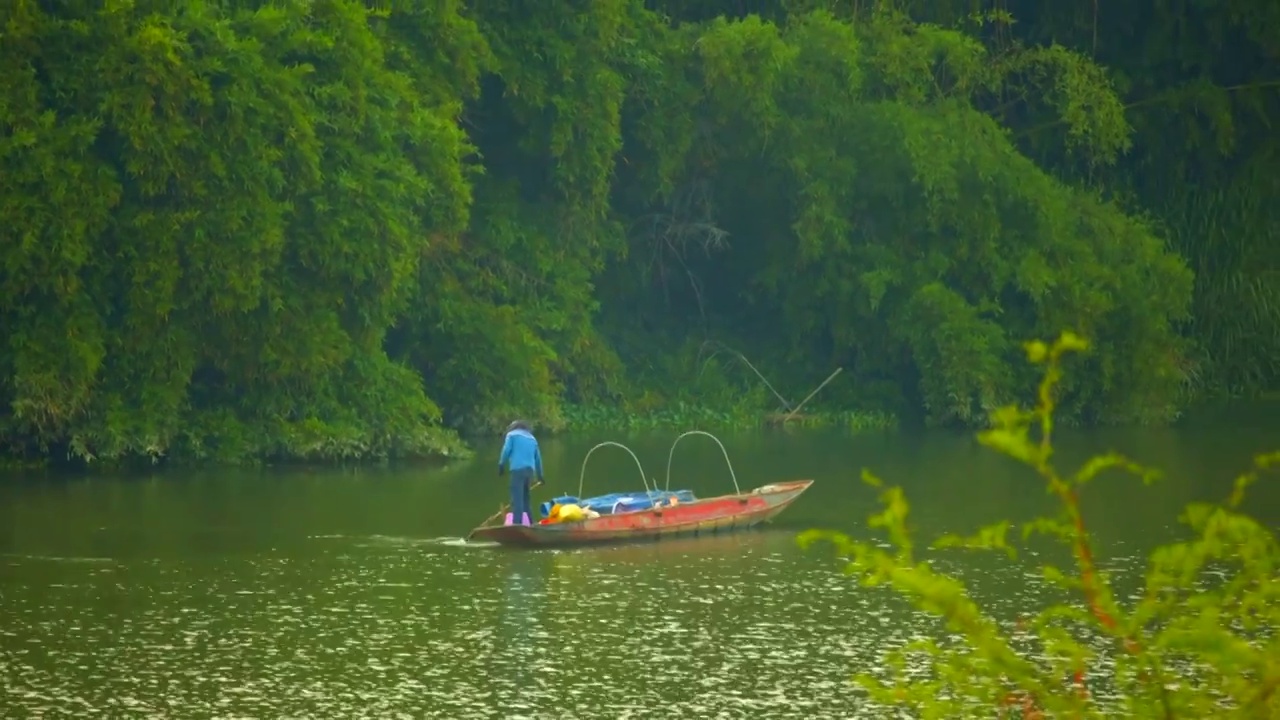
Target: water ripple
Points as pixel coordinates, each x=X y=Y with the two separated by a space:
x=379 y=627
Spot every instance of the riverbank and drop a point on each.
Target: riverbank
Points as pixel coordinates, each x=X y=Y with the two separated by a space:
x=448 y=444
x=570 y=421
x=685 y=416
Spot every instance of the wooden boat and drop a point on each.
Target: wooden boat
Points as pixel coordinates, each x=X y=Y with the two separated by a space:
x=736 y=511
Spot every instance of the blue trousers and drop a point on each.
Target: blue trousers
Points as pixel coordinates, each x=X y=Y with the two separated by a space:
x=520 y=481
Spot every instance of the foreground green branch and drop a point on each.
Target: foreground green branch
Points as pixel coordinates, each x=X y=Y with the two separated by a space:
x=1200 y=642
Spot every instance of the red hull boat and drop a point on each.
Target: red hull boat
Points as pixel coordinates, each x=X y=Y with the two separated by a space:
x=705 y=515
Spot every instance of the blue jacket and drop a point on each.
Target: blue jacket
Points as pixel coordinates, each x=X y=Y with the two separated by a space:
x=520 y=452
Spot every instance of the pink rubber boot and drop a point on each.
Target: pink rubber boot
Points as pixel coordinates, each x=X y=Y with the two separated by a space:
x=524 y=519
x=509 y=520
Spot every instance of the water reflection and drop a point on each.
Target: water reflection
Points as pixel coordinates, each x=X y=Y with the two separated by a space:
x=741 y=625
x=678 y=554
x=521 y=637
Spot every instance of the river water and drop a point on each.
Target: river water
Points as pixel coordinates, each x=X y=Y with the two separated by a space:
x=349 y=594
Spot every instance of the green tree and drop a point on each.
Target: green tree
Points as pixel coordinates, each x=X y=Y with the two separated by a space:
x=1201 y=97
x=212 y=216
x=877 y=218
x=506 y=319
x=339 y=229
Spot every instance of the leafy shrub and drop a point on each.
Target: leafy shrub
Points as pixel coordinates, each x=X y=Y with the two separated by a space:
x=1199 y=642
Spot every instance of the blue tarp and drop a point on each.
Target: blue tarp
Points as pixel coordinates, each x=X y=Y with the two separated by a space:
x=621 y=502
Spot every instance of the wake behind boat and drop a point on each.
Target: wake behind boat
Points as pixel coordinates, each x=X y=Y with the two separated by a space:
x=645 y=515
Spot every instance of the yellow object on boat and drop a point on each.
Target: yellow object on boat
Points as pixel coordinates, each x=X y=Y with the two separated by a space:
x=569 y=513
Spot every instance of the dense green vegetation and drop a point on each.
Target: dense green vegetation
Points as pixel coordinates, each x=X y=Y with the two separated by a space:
x=335 y=229
x=1200 y=639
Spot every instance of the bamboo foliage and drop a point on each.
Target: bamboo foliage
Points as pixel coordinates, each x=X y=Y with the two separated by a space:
x=339 y=229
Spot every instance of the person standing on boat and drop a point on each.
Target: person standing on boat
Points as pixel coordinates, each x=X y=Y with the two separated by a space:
x=520 y=453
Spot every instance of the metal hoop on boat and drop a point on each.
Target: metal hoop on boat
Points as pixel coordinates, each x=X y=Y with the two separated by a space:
x=583 y=473
x=672 y=453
